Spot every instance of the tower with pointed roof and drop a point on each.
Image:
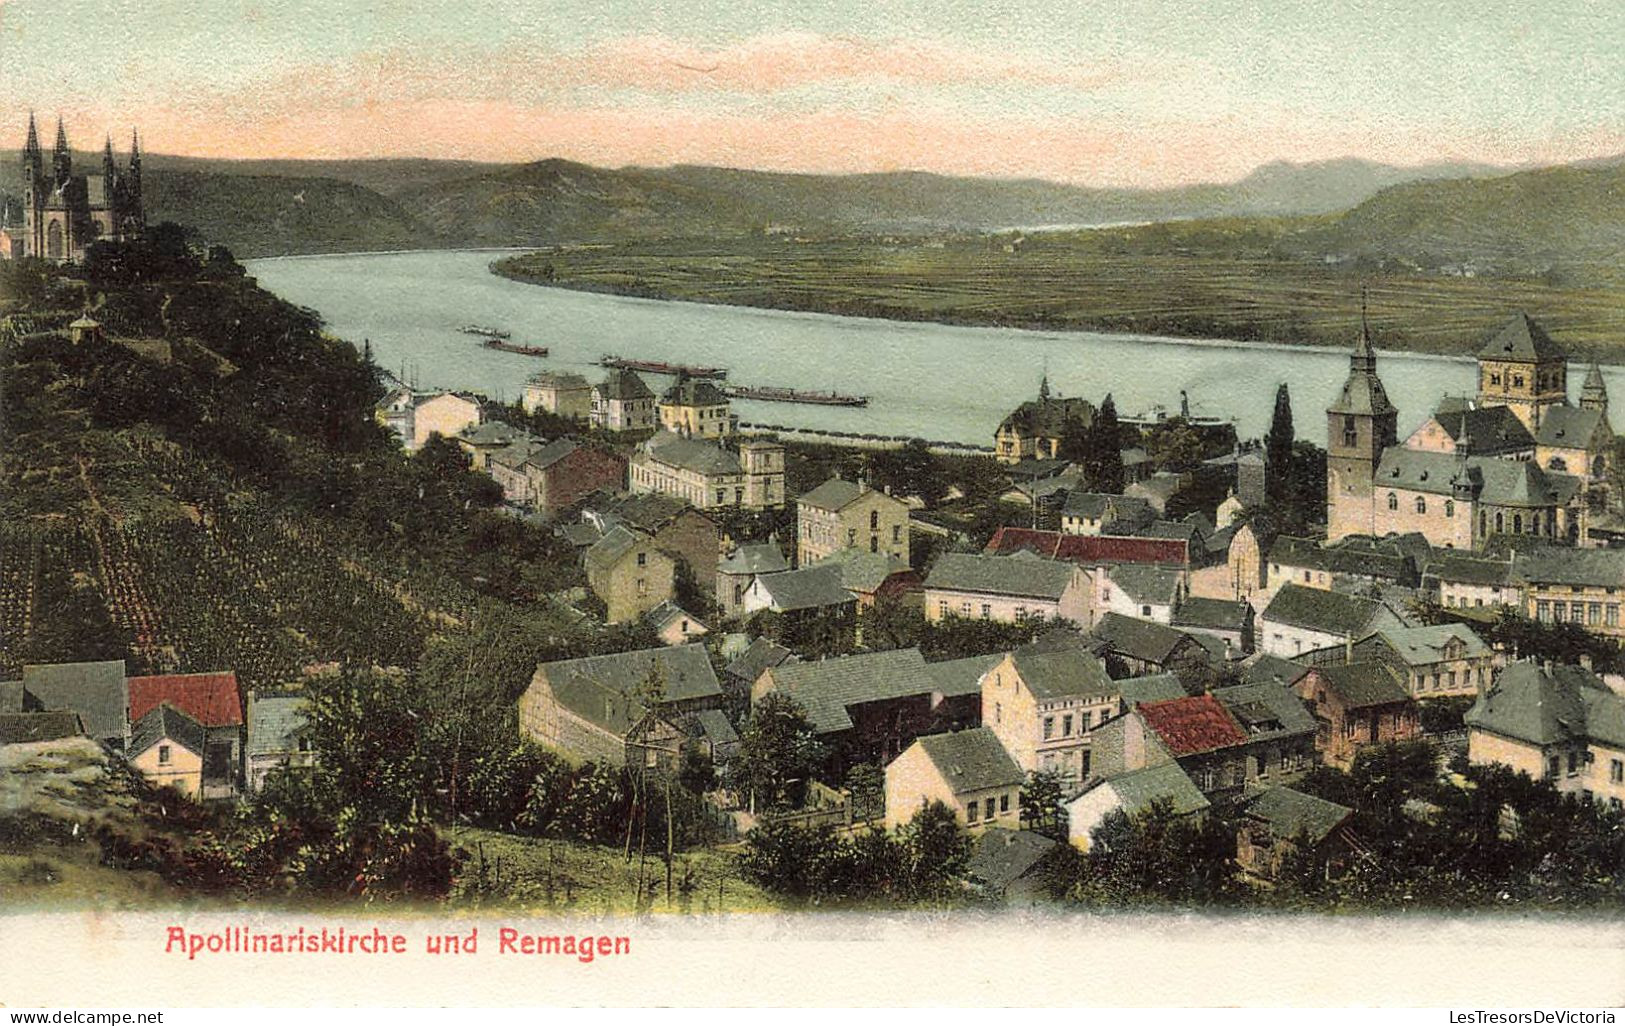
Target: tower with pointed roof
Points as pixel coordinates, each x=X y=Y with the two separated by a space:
x=1360 y=423
x=1521 y=368
x=1594 y=393
x=64 y=213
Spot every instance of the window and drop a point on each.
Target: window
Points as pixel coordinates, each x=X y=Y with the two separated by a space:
x=1145 y=611
x=987 y=809
x=1421 y=504
x=1574 y=763
x=1450 y=678
x=987 y=610
x=1308 y=577
x=998 y=713
x=1066 y=725
x=1449 y=507
x=874 y=543
x=1543 y=611
x=1049 y=727
x=1004 y=803
x=1594 y=613
x=1517 y=381
x=1393 y=501
x=1351 y=434
x=163 y=755
x=643 y=559
x=964 y=609
x=874 y=520
x=896 y=533
x=1612 y=617
x=852 y=536
x=643 y=586
x=942 y=608
x=1616 y=771
x=971 y=808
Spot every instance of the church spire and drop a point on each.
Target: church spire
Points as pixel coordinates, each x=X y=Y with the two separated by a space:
x=1043 y=389
x=1365 y=357
x=1594 y=393
x=62 y=159
x=135 y=164
x=109 y=169
x=32 y=156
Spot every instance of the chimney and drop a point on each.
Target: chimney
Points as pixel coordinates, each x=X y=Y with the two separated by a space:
x=1585 y=660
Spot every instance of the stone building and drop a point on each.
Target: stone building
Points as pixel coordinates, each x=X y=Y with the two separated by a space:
x=695 y=408
x=64 y=213
x=622 y=402
x=708 y=476
x=563 y=395
x=629 y=573
x=1043 y=700
x=1035 y=428
x=968 y=771
x=1560 y=724
x=844 y=514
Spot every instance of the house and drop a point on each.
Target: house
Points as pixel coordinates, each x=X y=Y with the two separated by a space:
x=708 y=476
x=968 y=771
x=167 y=747
x=564 y=471
x=622 y=402
x=1561 y=724
x=22 y=728
x=1138 y=590
x=1158 y=687
x=845 y=514
x=679 y=530
x=760 y=655
x=695 y=408
x=1145 y=647
x=1006 y=588
x=447 y=414
x=1007 y=865
x=211 y=700
x=94 y=690
x=1234 y=567
x=1356 y=706
x=1431 y=661
x=1228 y=620
x=1042 y=700
x=672 y=625
x=563 y=395
x=1350 y=562
x=1265 y=667
x=1034 y=429
x=279 y=737
x=1131 y=793
x=1089 y=550
x=506 y=467
x=1301 y=619
x=1279 y=822
x=1094 y=513
x=394 y=412
x=1463 y=580
x=808 y=601
x=1280 y=730
x=594 y=708
x=481 y=441
x=741 y=566
x=629 y=573
x=865 y=708
x=1158 y=489
x=872 y=576
x=1578 y=586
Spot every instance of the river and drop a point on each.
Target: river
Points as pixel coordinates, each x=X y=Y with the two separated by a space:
x=937 y=381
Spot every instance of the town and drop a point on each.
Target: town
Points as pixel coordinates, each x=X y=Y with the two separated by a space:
x=335 y=632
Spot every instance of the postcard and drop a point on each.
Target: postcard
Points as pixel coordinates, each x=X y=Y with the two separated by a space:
x=717 y=504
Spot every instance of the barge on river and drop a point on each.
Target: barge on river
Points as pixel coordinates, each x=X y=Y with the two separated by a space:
x=661 y=367
x=512 y=347
x=771 y=394
x=483 y=332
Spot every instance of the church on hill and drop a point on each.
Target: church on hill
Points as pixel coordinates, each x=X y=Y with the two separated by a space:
x=64 y=213
x=1518 y=459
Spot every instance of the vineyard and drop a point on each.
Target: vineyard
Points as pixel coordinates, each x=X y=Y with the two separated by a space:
x=226 y=580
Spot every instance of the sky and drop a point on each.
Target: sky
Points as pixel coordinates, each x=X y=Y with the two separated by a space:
x=1141 y=93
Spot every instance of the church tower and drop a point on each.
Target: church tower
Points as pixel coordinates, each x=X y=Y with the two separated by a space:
x=1360 y=423
x=33 y=183
x=1521 y=368
x=1594 y=393
x=62 y=159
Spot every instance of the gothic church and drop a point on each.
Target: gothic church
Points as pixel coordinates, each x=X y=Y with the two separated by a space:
x=64 y=213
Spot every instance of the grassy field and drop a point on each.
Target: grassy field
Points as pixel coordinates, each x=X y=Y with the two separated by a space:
x=549 y=876
x=1203 y=280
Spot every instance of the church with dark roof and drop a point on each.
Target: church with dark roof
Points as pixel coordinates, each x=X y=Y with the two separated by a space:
x=65 y=213
x=1516 y=459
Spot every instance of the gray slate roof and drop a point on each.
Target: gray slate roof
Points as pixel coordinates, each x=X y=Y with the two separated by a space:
x=614 y=545
x=825 y=689
x=1520 y=338
x=20 y=728
x=1568 y=427
x=1157 y=687
x=96 y=691
x=545 y=456
x=1071 y=671
x=492 y=432
x=971 y=760
x=1290 y=814
x=1138 y=789
x=667 y=613
x=811 y=587
x=1268 y=667
x=1363 y=685
x=693 y=392
x=166 y=721
x=1541 y=707
x=754 y=558
x=691 y=454
x=864 y=571
x=1212 y=614
x=621 y=383
x=1000 y=857
x=1329 y=612
x=1555 y=564
x=1267 y=710
x=275 y=722
x=1418 y=646
x=601 y=688
x=1144 y=583
x=1139 y=639
x=1457 y=567
x=1020 y=575
x=834 y=494
x=1489 y=430
x=957 y=677
x=761 y=654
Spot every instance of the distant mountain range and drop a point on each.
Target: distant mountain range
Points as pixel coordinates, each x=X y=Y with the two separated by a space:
x=1436 y=211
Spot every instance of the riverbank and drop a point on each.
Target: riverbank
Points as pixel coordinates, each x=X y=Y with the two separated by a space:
x=1074 y=283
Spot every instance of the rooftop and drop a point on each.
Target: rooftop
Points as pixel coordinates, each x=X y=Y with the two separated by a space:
x=96 y=691
x=1363 y=685
x=1292 y=814
x=811 y=587
x=971 y=760
x=1089 y=550
x=761 y=654
x=1136 y=790
x=1521 y=338
x=275 y=722
x=1192 y=725
x=754 y=558
x=1021 y=575
x=1545 y=705
x=164 y=721
x=827 y=688
x=1328 y=612
x=690 y=454
x=210 y=698
x=1139 y=639
x=603 y=689
x=1071 y=671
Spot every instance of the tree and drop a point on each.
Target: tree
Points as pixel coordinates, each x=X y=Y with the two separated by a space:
x=1175 y=446
x=777 y=749
x=910 y=470
x=1041 y=802
x=938 y=850
x=1108 y=446
x=866 y=789
x=1278 y=451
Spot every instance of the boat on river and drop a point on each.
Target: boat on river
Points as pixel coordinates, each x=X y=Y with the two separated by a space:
x=772 y=394
x=483 y=331
x=661 y=367
x=514 y=347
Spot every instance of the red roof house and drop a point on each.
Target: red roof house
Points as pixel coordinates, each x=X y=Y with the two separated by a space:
x=1090 y=550
x=210 y=698
x=1193 y=725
